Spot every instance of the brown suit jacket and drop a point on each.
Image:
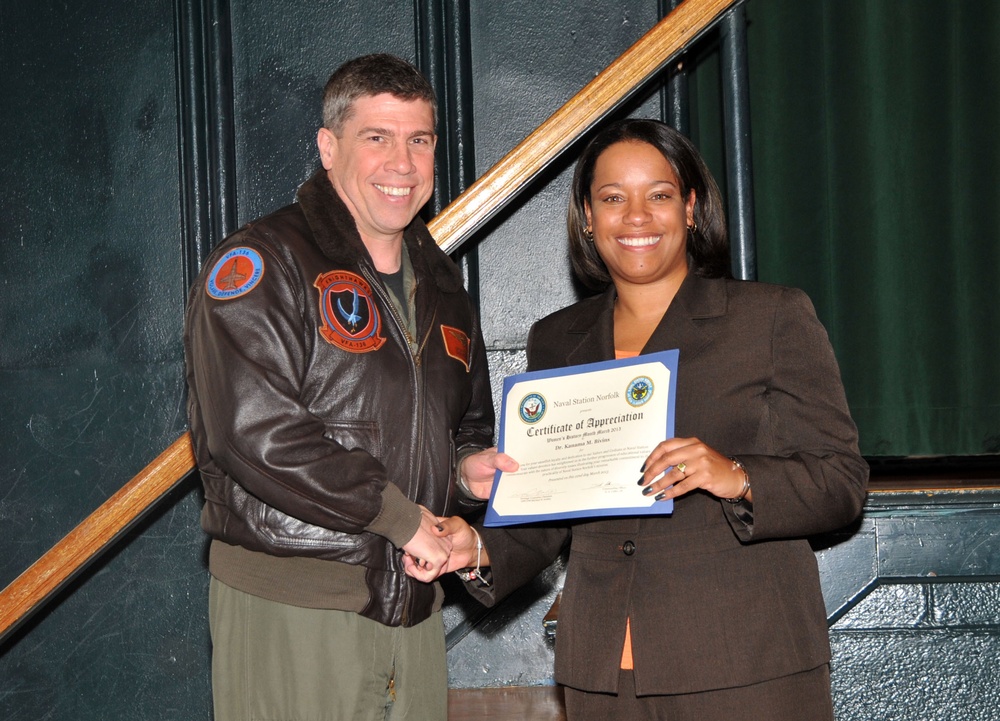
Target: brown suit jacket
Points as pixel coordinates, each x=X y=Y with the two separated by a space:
x=719 y=595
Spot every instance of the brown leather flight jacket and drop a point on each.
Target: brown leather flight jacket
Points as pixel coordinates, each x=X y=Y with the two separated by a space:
x=319 y=423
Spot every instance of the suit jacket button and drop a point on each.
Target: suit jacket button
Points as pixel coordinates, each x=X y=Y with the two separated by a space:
x=628 y=548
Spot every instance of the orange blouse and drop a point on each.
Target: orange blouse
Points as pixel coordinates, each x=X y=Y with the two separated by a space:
x=626 y=662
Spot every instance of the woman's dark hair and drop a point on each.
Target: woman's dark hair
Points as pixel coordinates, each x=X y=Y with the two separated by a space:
x=707 y=247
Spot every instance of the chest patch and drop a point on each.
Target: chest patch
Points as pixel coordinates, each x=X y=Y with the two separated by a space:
x=456 y=344
x=350 y=317
x=235 y=274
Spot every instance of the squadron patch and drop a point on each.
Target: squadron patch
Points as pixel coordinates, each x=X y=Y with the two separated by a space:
x=236 y=274
x=456 y=344
x=350 y=317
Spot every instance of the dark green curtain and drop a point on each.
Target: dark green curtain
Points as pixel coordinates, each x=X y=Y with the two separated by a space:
x=877 y=190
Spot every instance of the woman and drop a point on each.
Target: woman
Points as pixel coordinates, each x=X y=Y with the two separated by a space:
x=713 y=612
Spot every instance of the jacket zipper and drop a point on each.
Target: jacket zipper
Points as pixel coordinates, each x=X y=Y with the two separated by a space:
x=414 y=356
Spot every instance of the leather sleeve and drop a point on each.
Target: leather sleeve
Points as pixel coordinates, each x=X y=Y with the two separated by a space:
x=517 y=555
x=475 y=432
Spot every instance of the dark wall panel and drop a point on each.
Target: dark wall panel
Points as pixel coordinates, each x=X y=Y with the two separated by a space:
x=91 y=379
x=528 y=59
x=281 y=61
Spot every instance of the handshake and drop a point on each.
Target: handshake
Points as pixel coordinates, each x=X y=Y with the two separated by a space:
x=441 y=544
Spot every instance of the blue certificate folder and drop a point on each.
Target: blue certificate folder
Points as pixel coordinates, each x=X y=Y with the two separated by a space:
x=591 y=427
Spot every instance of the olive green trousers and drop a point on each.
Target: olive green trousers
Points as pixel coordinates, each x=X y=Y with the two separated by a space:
x=276 y=662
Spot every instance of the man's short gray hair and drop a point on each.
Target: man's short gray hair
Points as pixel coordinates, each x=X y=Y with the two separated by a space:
x=371 y=75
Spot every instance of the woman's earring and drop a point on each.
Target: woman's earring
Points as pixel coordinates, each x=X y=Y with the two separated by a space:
x=588 y=234
x=693 y=228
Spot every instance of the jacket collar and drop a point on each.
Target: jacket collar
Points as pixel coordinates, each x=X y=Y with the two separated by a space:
x=697 y=299
x=337 y=236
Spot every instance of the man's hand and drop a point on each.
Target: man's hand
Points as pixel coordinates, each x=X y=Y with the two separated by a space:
x=479 y=468
x=428 y=550
x=464 y=553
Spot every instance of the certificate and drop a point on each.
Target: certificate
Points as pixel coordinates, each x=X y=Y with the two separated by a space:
x=581 y=435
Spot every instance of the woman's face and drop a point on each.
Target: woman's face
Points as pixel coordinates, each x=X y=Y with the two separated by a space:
x=638 y=216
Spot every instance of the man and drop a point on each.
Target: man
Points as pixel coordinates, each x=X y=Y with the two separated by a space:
x=339 y=404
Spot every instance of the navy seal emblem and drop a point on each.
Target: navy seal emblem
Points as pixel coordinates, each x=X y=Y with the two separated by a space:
x=532 y=408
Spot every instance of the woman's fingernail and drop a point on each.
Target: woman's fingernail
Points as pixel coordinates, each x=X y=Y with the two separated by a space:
x=439 y=527
x=659 y=496
x=642 y=479
x=643 y=469
x=647 y=490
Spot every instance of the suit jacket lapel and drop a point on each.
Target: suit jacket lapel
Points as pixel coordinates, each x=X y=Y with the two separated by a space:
x=696 y=299
x=592 y=331
x=596 y=334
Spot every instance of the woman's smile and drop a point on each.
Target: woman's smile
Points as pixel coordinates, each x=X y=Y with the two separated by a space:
x=643 y=242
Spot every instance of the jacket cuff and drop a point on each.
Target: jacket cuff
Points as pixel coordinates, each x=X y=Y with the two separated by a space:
x=486 y=595
x=399 y=518
x=740 y=517
x=460 y=483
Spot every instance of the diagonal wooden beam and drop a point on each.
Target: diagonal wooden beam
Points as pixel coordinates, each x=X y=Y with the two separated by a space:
x=83 y=544
x=455 y=223
x=502 y=183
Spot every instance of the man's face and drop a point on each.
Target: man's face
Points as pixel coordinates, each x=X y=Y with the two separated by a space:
x=382 y=164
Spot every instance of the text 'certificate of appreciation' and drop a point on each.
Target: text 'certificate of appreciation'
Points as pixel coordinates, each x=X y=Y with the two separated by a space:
x=581 y=435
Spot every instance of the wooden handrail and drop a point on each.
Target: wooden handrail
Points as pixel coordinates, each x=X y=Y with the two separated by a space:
x=501 y=183
x=85 y=542
x=484 y=198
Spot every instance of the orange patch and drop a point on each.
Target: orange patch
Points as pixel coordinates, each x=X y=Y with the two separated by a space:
x=456 y=344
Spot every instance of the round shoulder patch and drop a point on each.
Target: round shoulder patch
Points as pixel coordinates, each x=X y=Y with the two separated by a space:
x=235 y=274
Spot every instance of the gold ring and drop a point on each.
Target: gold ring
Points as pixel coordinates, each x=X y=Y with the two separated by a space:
x=682 y=467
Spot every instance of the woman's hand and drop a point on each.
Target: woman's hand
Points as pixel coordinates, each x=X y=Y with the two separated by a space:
x=687 y=464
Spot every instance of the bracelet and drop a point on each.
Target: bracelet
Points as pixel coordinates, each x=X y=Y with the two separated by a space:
x=746 y=483
x=464 y=485
x=475 y=574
